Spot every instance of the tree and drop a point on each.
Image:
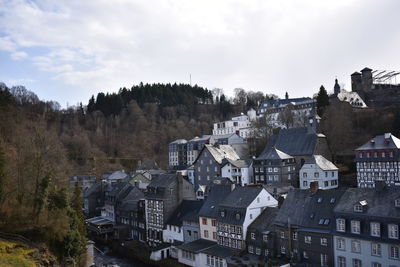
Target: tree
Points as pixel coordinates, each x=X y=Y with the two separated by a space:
x=322 y=101
x=286 y=117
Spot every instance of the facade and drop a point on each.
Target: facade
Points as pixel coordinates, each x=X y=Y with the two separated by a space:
x=303 y=226
x=240 y=125
x=319 y=169
x=177 y=154
x=367 y=222
x=130 y=217
x=209 y=211
x=239 y=171
x=261 y=235
x=83 y=181
x=237 y=211
x=208 y=164
x=195 y=145
x=274 y=167
x=93 y=199
x=379 y=160
x=163 y=196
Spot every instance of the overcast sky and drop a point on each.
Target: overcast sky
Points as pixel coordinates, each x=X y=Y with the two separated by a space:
x=68 y=50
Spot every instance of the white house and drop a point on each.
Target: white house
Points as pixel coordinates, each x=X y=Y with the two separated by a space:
x=238 y=171
x=318 y=169
x=240 y=125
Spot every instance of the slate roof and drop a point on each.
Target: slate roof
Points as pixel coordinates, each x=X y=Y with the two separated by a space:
x=148 y=165
x=221 y=152
x=94 y=189
x=293 y=141
x=379 y=203
x=218 y=192
x=240 y=163
x=241 y=196
x=273 y=154
x=197 y=245
x=264 y=221
x=219 y=251
x=117 y=175
x=379 y=143
x=321 y=162
x=307 y=210
x=202 y=138
x=163 y=180
x=279 y=102
x=131 y=199
x=187 y=207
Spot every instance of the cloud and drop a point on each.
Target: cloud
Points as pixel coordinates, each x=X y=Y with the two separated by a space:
x=273 y=46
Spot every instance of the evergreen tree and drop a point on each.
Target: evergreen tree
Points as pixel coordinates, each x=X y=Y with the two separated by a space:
x=322 y=100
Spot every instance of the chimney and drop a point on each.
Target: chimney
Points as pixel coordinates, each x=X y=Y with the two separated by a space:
x=314 y=187
x=179 y=179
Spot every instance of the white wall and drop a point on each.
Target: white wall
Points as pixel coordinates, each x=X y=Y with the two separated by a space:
x=172 y=233
x=207 y=227
x=310 y=170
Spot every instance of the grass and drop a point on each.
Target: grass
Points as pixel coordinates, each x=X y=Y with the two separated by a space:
x=15 y=255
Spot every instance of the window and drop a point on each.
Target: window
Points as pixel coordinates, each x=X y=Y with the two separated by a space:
x=358 y=208
x=341 y=244
x=397 y=203
x=376 y=264
x=307 y=239
x=214 y=223
x=393 y=231
x=305 y=255
x=305 y=183
x=250 y=249
x=394 y=252
x=265 y=238
x=316 y=174
x=258 y=251
x=251 y=216
x=324 y=241
x=294 y=235
x=375 y=229
x=355 y=227
x=324 y=260
x=341 y=261
x=357 y=263
x=215 y=235
x=283 y=250
x=205 y=233
x=326 y=183
x=204 y=221
x=238 y=216
x=376 y=249
x=282 y=234
x=253 y=236
x=355 y=246
x=340 y=225
x=222 y=213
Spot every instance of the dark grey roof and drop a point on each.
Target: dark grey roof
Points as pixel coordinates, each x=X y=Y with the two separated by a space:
x=294 y=141
x=234 y=216
x=264 y=220
x=279 y=102
x=241 y=196
x=274 y=153
x=94 y=189
x=163 y=180
x=219 y=251
x=378 y=142
x=304 y=209
x=197 y=245
x=129 y=202
x=187 y=207
x=217 y=193
x=379 y=203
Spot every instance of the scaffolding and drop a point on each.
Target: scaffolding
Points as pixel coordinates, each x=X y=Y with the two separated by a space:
x=385 y=77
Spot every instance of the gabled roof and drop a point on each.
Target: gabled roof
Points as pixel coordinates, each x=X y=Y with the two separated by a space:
x=148 y=165
x=304 y=209
x=366 y=69
x=117 y=175
x=274 y=153
x=179 y=141
x=217 y=193
x=294 y=142
x=186 y=208
x=129 y=202
x=264 y=221
x=240 y=163
x=222 y=152
x=94 y=189
x=379 y=203
x=284 y=101
x=163 y=180
x=241 y=196
x=321 y=162
x=355 y=74
x=378 y=142
x=202 y=138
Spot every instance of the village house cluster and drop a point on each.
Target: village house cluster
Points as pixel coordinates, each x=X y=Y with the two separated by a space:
x=216 y=206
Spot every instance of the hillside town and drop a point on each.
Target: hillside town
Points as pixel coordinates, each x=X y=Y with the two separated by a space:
x=293 y=204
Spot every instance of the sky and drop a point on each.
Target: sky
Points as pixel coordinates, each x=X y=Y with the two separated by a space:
x=68 y=50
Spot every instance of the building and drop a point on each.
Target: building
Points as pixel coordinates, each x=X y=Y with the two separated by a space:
x=300 y=143
x=177 y=154
x=304 y=225
x=367 y=222
x=130 y=217
x=238 y=171
x=379 y=159
x=195 y=145
x=261 y=236
x=190 y=225
x=319 y=169
x=237 y=211
x=208 y=164
x=83 y=181
x=240 y=125
x=208 y=213
x=93 y=199
x=274 y=167
x=163 y=196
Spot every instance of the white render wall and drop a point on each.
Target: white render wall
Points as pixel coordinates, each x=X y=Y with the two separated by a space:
x=227 y=172
x=172 y=233
x=207 y=227
x=263 y=200
x=310 y=170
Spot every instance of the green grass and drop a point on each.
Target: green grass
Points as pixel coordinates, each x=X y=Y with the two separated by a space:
x=15 y=255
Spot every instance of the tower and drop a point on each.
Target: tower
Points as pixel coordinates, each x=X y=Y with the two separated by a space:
x=336 y=88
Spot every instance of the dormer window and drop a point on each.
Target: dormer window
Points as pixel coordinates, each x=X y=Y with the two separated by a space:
x=358 y=208
x=319 y=200
x=397 y=203
x=237 y=216
x=222 y=214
